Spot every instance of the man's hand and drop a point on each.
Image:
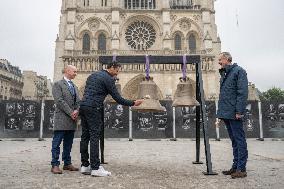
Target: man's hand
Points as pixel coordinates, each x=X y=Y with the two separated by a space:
x=239 y=116
x=217 y=123
x=74 y=114
x=138 y=102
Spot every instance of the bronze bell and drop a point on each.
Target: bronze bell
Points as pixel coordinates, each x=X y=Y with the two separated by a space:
x=108 y=98
x=147 y=90
x=252 y=93
x=184 y=95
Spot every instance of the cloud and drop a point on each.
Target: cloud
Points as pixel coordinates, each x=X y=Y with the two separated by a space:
x=257 y=42
x=29 y=28
x=28 y=37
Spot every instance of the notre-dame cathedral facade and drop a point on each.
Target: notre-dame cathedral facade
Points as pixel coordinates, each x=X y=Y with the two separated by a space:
x=92 y=28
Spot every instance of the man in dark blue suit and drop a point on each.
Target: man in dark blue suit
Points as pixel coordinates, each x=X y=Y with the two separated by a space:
x=98 y=86
x=231 y=109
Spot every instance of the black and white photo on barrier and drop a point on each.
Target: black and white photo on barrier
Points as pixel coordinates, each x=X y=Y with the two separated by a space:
x=30 y=109
x=118 y=110
x=188 y=117
x=107 y=107
x=248 y=121
x=115 y=117
x=210 y=107
x=164 y=120
x=20 y=108
x=10 y=108
x=161 y=120
x=28 y=124
x=48 y=122
x=118 y=117
x=185 y=119
x=145 y=121
x=281 y=112
x=280 y=121
x=274 y=122
x=116 y=120
x=249 y=125
x=251 y=120
x=118 y=124
x=52 y=109
x=51 y=117
x=51 y=122
x=271 y=112
x=107 y=115
x=12 y=124
x=153 y=124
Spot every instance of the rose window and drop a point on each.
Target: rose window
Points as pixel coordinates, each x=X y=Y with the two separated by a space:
x=140 y=35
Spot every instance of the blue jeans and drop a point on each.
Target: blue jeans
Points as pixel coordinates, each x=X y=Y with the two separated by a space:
x=239 y=144
x=67 y=137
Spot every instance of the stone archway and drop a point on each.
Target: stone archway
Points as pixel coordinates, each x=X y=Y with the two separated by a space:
x=130 y=90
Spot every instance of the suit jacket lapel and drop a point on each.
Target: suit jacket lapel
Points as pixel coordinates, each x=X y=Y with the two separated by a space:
x=67 y=86
x=76 y=90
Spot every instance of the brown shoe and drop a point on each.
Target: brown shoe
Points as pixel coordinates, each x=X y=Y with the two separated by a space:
x=229 y=172
x=70 y=168
x=239 y=174
x=56 y=170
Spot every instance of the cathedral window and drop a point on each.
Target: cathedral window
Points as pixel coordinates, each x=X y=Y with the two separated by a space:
x=177 y=42
x=86 y=3
x=139 y=4
x=192 y=43
x=140 y=35
x=86 y=43
x=104 y=3
x=102 y=42
x=181 y=4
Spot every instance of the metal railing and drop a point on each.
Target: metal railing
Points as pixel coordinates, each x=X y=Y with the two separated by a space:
x=183 y=4
x=75 y=53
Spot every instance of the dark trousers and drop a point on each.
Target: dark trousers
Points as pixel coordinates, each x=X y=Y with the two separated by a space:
x=239 y=144
x=92 y=124
x=67 y=137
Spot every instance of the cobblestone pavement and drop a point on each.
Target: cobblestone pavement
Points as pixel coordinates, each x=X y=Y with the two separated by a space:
x=142 y=164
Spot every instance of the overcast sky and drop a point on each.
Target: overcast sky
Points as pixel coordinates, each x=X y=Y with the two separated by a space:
x=252 y=30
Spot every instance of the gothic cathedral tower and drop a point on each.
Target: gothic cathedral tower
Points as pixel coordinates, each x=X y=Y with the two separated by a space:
x=91 y=28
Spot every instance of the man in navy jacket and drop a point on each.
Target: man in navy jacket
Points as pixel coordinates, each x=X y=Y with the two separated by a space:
x=231 y=108
x=98 y=86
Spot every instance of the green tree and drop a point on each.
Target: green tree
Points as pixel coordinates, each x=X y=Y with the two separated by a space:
x=273 y=94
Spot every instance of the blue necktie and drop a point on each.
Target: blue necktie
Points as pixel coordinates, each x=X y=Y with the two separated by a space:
x=71 y=88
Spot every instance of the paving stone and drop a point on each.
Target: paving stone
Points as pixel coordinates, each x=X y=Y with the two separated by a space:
x=142 y=164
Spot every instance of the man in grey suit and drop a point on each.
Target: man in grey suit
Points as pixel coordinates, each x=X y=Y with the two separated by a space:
x=66 y=98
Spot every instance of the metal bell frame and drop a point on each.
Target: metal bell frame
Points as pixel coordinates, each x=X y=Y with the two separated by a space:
x=200 y=110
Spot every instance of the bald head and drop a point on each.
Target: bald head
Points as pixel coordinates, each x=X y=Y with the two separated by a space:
x=70 y=72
